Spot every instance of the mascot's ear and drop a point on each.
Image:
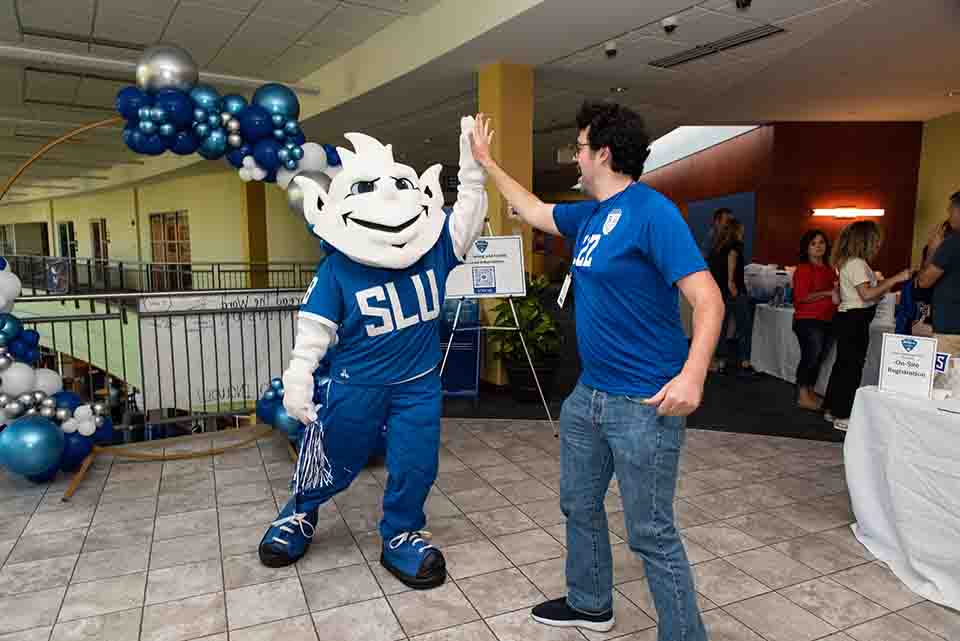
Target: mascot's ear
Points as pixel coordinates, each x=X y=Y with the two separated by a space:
x=430 y=185
x=315 y=198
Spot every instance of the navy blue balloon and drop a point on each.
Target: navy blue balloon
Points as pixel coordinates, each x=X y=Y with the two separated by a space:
x=255 y=123
x=18 y=349
x=271 y=175
x=184 y=143
x=214 y=145
x=267 y=410
x=333 y=158
x=301 y=139
x=206 y=97
x=3 y=263
x=167 y=130
x=265 y=153
x=45 y=477
x=133 y=137
x=32 y=356
x=234 y=104
x=31 y=445
x=277 y=99
x=236 y=156
x=154 y=145
x=76 y=447
x=67 y=399
x=104 y=433
x=178 y=107
x=31 y=337
x=286 y=423
x=10 y=326
x=129 y=100
x=270 y=395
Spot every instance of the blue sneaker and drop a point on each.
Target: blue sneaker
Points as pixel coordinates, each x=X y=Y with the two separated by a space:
x=288 y=537
x=417 y=564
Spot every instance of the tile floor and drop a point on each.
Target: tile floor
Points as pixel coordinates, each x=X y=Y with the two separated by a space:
x=166 y=552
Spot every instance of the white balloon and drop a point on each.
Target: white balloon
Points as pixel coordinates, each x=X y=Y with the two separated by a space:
x=48 y=382
x=83 y=412
x=87 y=428
x=9 y=290
x=18 y=379
x=69 y=426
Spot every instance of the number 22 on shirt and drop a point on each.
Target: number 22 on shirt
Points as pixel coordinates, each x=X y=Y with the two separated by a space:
x=585 y=257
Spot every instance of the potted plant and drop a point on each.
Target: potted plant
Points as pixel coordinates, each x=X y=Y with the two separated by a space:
x=543 y=340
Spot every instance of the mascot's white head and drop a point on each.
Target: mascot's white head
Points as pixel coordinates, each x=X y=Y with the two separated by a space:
x=377 y=211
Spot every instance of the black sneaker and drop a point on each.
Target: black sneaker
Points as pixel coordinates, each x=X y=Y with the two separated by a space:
x=558 y=613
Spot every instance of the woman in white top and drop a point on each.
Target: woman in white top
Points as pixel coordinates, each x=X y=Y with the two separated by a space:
x=859 y=294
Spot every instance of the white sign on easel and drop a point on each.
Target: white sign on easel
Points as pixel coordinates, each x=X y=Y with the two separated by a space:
x=907 y=365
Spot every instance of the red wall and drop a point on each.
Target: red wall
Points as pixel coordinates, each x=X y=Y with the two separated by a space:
x=796 y=167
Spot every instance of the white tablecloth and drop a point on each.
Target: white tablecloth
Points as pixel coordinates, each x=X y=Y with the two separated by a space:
x=902 y=459
x=775 y=350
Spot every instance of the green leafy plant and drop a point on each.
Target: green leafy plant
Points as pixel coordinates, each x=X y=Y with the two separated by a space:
x=537 y=325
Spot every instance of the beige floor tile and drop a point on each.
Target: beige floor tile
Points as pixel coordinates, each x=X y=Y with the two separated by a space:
x=30 y=610
x=766 y=527
x=103 y=597
x=11 y=526
x=687 y=515
x=499 y=592
x=123 y=510
x=478 y=499
x=341 y=586
x=776 y=618
x=818 y=553
x=528 y=547
x=265 y=602
x=107 y=536
x=422 y=611
x=119 y=626
x=723 y=583
x=723 y=627
x=517 y=626
x=68 y=519
x=34 y=634
x=246 y=569
x=501 y=521
x=934 y=618
x=470 y=559
x=246 y=493
x=832 y=602
x=453 y=531
x=476 y=631
x=549 y=576
x=184 y=581
x=629 y=619
x=721 y=539
x=185 y=620
x=812 y=516
x=185 y=524
x=876 y=582
x=533 y=490
x=366 y=621
x=545 y=513
x=17 y=578
x=329 y=554
x=46 y=546
x=260 y=513
x=772 y=568
x=295 y=629
x=241 y=540
x=892 y=627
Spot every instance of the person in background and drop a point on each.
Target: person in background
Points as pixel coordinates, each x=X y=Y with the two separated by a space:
x=858 y=244
x=814 y=282
x=726 y=264
x=720 y=219
x=941 y=271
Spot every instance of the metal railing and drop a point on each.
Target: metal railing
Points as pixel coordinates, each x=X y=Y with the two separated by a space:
x=179 y=358
x=59 y=275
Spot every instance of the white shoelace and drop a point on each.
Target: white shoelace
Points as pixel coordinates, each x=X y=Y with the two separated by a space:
x=421 y=536
x=297 y=518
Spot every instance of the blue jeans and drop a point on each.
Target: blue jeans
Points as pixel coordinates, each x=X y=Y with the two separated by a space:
x=601 y=434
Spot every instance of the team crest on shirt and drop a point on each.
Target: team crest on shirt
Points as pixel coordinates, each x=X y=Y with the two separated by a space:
x=612 y=219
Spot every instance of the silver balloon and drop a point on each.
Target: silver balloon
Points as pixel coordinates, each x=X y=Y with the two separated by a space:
x=4 y=399
x=98 y=421
x=13 y=409
x=233 y=124
x=99 y=408
x=48 y=412
x=49 y=402
x=39 y=397
x=31 y=412
x=166 y=67
x=295 y=194
x=235 y=140
x=26 y=400
x=63 y=414
x=3 y=350
x=226 y=117
x=5 y=362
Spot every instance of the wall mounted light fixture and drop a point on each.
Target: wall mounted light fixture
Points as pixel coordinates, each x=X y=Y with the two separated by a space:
x=848 y=212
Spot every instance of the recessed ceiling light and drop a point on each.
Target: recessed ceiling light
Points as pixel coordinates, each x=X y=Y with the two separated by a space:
x=427 y=140
x=617 y=89
x=953 y=94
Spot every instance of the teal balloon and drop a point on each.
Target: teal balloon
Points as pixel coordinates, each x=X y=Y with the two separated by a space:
x=199 y=115
x=10 y=326
x=277 y=99
x=283 y=155
x=214 y=145
x=144 y=113
x=296 y=153
x=167 y=129
x=290 y=164
x=278 y=120
x=214 y=120
x=291 y=128
x=276 y=383
x=202 y=129
x=206 y=97
x=234 y=104
x=31 y=445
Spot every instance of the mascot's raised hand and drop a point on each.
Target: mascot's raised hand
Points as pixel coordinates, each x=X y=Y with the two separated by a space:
x=377 y=297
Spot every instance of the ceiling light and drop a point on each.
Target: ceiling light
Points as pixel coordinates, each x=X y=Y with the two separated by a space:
x=953 y=94
x=849 y=212
x=617 y=89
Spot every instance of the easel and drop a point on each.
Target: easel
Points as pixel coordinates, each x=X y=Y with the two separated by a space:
x=516 y=328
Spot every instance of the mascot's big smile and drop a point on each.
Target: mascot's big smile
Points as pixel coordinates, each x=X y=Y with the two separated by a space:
x=377 y=212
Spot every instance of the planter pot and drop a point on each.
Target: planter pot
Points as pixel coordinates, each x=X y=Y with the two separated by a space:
x=523 y=388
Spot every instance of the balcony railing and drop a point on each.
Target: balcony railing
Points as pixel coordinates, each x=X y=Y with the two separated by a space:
x=58 y=275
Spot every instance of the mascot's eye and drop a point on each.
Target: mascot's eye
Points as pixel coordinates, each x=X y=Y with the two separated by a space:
x=363 y=187
x=403 y=183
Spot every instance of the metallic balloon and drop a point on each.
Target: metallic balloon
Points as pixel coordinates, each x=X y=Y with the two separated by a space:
x=296 y=153
x=283 y=155
x=31 y=411
x=49 y=402
x=39 y=397
x=215 y=121
x=63 y=414
x=278 y=120
x=26 y=400
x=276 y=383
x=235 y=140
x=4 y=399
x=200 y=115
x=278 y=135
x=3 y=350
x=206 y=97
x=234 y=104
x=291 y=128
x=233 y=124
x=13 y=409
x=226 y=117
x=99 y=409
x=48 y=412
x=167 y=130
x=148 y=127
x=202 y=129
x=144 y=113
x=5 y=362
x=166 y=67
x=158 y=114
x=98 y=421
x=290 y=164
x=277 y=99
x=295 y=194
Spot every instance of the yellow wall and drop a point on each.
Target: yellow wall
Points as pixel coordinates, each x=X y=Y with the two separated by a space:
x=939 y=176
x=287 y=237
x=116 y=206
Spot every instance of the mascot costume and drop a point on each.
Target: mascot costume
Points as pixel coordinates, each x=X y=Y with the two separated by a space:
x=371 y=314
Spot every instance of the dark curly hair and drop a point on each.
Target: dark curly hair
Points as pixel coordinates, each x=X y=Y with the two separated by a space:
x=954 y=198
x=806 y=239
x=621 y=130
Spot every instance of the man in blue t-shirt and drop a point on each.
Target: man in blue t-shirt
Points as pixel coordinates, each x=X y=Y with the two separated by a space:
x=633 y=253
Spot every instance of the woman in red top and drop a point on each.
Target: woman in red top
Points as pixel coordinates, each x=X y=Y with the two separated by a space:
x=813 y=308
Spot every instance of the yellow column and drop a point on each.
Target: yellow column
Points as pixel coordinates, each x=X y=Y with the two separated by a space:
x=256 y=205
x=506 y=96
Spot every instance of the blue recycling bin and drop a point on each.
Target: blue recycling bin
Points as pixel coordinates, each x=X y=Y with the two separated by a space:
x=461 y=376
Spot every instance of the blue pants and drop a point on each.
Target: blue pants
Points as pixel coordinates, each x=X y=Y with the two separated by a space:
x=353 y=417
x=601 y=433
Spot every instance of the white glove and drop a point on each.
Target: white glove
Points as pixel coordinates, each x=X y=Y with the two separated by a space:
x=313 y=340
x=470 y=208
x=471 y=172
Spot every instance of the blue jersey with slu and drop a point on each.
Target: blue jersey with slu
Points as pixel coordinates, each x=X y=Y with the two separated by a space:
x=386 y=319
x=630 y=250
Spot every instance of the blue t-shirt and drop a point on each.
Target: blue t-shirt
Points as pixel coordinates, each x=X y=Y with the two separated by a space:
x=387 y=319
x=630 y=250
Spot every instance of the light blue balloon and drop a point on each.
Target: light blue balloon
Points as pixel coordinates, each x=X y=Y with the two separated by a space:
x=276 y=383
x=283 y=155
x=148 y=127
x=168 y=130
x=158 y=114
x=278 y=120
x=296 y=153
x=270 y=395
x=278 y=135
x=144 y=113
x=290 y=164
x=234 y=104
x=291 y=128
x=277 y=99
x=202 y=129
x=31 y=445
x=206 y=97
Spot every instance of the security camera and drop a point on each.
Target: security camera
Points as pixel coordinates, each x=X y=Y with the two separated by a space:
x=743 y=4
x=669 y=24
x=610 y=49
